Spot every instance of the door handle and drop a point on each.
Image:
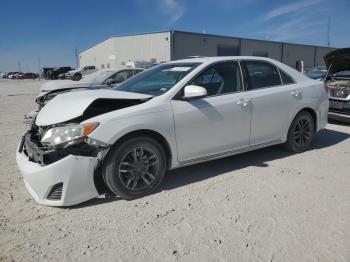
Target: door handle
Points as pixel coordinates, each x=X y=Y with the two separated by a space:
x=243 y=102
x=295 y=93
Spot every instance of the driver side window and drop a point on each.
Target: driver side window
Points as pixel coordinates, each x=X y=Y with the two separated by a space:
x=220 y=79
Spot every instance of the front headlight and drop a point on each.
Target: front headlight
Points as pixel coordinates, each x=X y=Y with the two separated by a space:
x=66 y=135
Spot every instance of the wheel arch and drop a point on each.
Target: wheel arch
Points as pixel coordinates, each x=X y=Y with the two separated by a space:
x=307 y=109
x=152 y=134
x=98 y=179
x=313 y=114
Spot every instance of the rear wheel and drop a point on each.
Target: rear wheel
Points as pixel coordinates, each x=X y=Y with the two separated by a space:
x=301 y=132
x=135 y=167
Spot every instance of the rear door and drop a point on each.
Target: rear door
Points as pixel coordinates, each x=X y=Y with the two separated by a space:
x=273 y=102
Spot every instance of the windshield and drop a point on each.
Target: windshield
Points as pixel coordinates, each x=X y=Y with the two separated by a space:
x=98 y=77
x=157 y=80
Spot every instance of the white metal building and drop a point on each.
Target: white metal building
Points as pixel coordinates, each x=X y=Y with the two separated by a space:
x=151 y=48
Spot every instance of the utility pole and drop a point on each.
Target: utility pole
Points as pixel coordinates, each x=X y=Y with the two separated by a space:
x=39 y=64
x=329 y=31
x=19 y=66
x=77 y=57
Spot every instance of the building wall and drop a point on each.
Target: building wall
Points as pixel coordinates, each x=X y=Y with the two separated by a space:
x=145 y=49
x=98 y=54
x=117 y=51
x=191 y=44
x=261 y=48
x=293 y=53
x=320 y=52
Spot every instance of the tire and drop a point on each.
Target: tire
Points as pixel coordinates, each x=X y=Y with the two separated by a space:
x=300 y=133
x=76 y=77
x=132 y=179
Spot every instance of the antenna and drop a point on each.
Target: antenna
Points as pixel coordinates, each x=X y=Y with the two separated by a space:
x=328 y=31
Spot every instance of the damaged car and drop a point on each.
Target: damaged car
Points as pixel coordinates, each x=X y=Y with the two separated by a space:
x=338 y=83
x=123 y=140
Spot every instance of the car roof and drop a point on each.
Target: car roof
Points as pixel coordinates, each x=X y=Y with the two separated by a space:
x=120 y=68
x=221 y=58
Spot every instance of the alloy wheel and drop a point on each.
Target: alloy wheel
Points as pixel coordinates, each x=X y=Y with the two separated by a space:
x=139 y=168
x=302 y=132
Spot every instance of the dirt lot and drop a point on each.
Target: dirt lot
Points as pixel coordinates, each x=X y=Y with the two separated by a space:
x=266 y=205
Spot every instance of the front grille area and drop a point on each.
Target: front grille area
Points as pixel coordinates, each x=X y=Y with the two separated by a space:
x=56 y=192
x=340 y=93
x=339 y=106
x=34 y=150
x=45 y=155
x=339 y=101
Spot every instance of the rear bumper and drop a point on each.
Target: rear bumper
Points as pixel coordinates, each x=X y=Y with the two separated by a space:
x=75 y=172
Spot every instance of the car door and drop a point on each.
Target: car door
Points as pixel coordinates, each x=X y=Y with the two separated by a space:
x=217 y=123
x=272 y=102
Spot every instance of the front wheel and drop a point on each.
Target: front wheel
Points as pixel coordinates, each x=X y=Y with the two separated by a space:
x=76 y=77
x=135 y=167
x=300 y=133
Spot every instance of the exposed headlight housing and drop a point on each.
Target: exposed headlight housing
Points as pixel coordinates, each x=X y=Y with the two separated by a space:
x=63 y=136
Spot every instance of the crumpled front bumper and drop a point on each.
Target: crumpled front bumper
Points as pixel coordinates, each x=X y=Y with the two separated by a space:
x=76 y=173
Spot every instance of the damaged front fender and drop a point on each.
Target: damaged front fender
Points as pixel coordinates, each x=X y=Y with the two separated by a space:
x=85 y=104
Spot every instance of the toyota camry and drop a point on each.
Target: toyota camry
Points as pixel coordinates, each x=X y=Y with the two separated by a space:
x=123 y=140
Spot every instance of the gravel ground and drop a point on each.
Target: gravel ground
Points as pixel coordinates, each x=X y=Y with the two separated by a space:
x=266 y=205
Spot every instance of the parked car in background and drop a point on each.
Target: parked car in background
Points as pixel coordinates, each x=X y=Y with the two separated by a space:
x=172 y=115
x=28 y=76
x=15 y=75
x=317 y=73
x=54 y=73
x=9 y=74
x=77 y=74
x=62 y=76
x=338 y=83
x=103 y=78
x=45 y=70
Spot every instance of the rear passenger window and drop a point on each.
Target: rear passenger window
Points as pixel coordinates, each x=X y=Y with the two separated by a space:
x=286 y=79
x=261 y=75
x=220 y=79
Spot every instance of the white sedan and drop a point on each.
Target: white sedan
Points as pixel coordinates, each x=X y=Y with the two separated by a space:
x=172 y=115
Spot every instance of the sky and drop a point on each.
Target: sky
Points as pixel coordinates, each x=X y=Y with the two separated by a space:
x=51 y=31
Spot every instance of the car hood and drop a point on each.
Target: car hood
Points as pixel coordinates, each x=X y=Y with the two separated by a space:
x=71 y=105
x=338 y=60
x=62 y=84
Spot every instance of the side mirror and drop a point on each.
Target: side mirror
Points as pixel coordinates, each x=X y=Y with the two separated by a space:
x=193 y=91
x=110 y=82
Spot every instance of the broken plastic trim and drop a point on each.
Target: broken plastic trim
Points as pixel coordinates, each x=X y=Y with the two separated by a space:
x=48 y=155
